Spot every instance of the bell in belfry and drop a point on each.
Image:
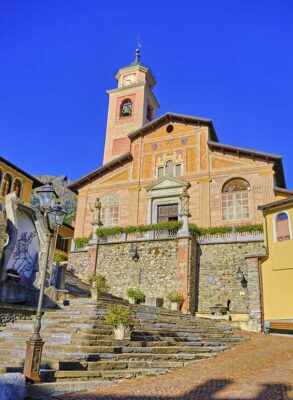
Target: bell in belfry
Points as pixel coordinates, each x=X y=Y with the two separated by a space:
x=126 y=109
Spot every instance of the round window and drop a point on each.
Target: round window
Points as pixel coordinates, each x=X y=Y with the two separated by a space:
x=170 y=128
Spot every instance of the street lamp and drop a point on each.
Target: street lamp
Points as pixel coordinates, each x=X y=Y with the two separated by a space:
x=54 y=216
x=241 y=277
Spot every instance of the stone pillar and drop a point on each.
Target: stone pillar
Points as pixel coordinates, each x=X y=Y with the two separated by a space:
x=184 y=231
x=254 y=292
x=92 y=258
x=184 y=280
x=94 y=240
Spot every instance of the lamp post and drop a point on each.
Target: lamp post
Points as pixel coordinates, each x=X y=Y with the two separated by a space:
x=54 y=216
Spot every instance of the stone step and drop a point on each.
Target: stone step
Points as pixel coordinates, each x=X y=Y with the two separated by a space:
x=44 y=391
x=16 y=364
x=109 y=374
x=72 y=365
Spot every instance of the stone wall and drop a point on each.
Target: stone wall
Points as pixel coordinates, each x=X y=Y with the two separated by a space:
x=162 y=267
x=204 y=273
x=11 y=313
x=78 y=260
x=216 y=275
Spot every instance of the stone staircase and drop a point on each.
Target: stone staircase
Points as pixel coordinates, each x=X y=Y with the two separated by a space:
x=79 y=346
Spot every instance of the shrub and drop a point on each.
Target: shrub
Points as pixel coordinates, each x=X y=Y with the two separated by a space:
x=81 y=241
x=249 y=228
x=116 y=230
x=135 y=294
x=58 y=258
x=92 y=278
x=175 y=297
x=213 y=230
x=99 y=282
x=118 y=315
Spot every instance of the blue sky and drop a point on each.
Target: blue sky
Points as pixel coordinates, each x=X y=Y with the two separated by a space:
x=228 y=60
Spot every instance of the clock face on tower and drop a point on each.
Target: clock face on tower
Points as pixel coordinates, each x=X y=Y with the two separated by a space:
x=129 y=80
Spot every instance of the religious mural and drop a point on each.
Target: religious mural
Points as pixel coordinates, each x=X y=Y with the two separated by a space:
x=24 y=257
x=20 y=262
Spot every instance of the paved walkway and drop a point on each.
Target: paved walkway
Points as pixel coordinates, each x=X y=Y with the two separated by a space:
x=258 y=369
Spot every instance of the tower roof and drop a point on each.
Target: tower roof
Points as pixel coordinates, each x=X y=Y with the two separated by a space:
x=137 y=64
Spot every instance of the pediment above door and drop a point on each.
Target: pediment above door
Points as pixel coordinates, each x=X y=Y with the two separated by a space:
x=167 y=182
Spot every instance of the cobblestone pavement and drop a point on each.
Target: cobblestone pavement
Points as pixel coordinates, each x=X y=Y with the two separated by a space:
x=258 y=369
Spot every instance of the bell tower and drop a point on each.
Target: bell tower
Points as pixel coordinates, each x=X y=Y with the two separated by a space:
x=131 y=105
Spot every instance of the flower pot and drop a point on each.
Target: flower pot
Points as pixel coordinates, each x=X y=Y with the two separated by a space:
x=175 y=306
x=121 y=332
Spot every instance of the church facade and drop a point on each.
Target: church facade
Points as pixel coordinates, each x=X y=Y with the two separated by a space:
x=148 y=161
x=174 y=168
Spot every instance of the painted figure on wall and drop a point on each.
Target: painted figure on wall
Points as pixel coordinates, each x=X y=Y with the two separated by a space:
x=23 y=260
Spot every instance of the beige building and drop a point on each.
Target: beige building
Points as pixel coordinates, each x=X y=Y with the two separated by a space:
x=148 y=161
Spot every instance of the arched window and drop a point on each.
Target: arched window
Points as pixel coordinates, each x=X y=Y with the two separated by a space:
x=126 y=108
x=1 y=176
x=6 y=184
x=109 y=211
x=235 y=204
x=282 y=227
x=17 y=186
x=150 y=112
x=169 y=168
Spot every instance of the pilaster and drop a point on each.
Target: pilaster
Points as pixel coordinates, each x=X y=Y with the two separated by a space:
x=254 y=292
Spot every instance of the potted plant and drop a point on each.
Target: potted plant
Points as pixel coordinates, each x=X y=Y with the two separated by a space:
x=135 y=296
x=119 y=318
x=176 y=300
x=99 y=285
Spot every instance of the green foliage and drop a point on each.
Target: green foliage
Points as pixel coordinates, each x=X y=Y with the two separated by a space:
x=135 y=294
x=92 y=278
x=194 y=229
x=249 y=228
x=100 y=282
x=81 y=241
x=197 y=231
x=175 y=297
x=118 y=315
x=117 y=230
x=105 y=232
x=58 y=258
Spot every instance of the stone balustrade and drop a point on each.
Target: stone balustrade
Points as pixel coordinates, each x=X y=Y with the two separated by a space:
x=231 y=237
x=228 y=237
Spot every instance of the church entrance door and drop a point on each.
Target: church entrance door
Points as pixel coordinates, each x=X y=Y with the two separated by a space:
x=167 y=212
